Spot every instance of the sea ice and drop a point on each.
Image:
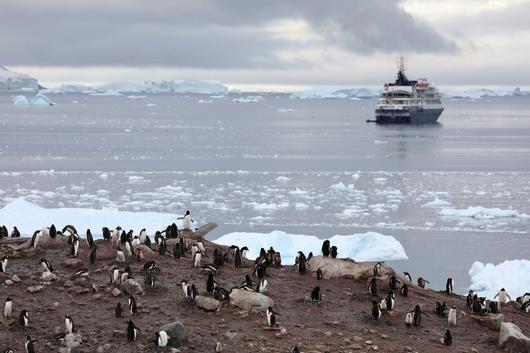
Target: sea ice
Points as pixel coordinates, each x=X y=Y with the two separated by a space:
x=480 y=213
x=437 y=203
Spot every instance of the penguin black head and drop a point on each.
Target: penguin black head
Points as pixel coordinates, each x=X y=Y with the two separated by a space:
x=187 y=213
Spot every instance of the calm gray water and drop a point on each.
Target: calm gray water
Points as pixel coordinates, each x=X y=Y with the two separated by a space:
x=318 y=170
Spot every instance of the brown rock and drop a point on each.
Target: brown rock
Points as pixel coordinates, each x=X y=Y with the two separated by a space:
x=512 y=339
x=75 y=264
x=207 y=303
x=490 y=321
x=35 y=289
x=345 y=268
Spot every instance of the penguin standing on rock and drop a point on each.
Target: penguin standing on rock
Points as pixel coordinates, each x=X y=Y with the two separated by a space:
x=325 y=248
x=334 y=252
x=89 y=238
x=237 y=258
x=503 y=296
x=392 y=283
x=74 y=248
x=132 y=331
x=106 y=233
x=316 y=296
x=372 y=287
x=69 y=324
x=186 y=221
x=451 y=317
x=319 y=273
x=449 y=286
x=46 y=265
x=23 y=318
x=8 y=308
x=423 y=282
x=404 y=290
x=93 y=255
x=15 y=233
x=271 y=317
x=3 y=264
x=407 y=277
x=409 y=319
x=162 y=338
x=417 y=315
x=133 y=309
x=377 y=269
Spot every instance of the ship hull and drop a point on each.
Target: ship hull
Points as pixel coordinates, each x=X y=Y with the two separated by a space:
x=413 y=115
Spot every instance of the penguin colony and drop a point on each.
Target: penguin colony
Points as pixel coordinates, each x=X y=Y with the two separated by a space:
x=383 y=298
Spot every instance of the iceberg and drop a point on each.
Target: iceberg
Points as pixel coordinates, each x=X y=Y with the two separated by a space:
x=512 y=275
x=482 y=92
x=333 y=92
x=248 y=99
x=40 y=99
x=437 y=203
x=68 y=88
x=14 y=81
x=481 y=213
x=201 y=87
x=369 y=246
x=28 y=217
x=285 y=110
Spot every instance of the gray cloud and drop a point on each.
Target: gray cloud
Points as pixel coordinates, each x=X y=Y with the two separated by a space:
x=200 y=33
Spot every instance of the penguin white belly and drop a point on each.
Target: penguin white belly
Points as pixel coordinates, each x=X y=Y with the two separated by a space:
x=8 y=310
x=186 y=222
x=451 y=317
x=502 y=297
x=163 y=339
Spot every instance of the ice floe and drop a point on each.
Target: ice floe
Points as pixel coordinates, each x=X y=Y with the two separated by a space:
x=512 y=275
x=437 y=202
x=40 y=100
x=369 y=246
x=285 y=110
x=248 y=99
x=481 y=213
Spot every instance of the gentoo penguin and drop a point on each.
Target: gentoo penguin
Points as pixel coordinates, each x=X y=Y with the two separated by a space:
x=315 y=295
x=319 y=273
x=469 y=298
x=177 y=252
x=135 y=242
x=52 y=231
x=142 y=236
x=120 y=256
x=118 y=310
x=417 y=315
x=449 y=286
x=15 y=233
x=3 y=264
x=197 y=259
x=128 y=247
x=46 y=265
x=69 y=324
x=116 y=236
x=296 y=349
x=162 y=338
x=260 y=271
x=162 y=247
x=372 y=287
x=503 y=296
x=201 y=247
x=70 y=229
x=237 y=258
x=377 y=269
x=8 y=350
x=407 y=276
x=218 y=258
x=132 y=331
x=8 y=308
x=74 y=248
x=409 y=319
x=390 y=301
x=334 y=252
x=326 y=248
x=185 y=286
x=392 y=283
x=28 y=344
x=133 y=309
x=186 y=221
x=277 y=259
x=210 y=284
x=124 y=236
x=218 y=347
x=114 y=275
x=244 y=251
x=423 y=282
x=448 y=339
x=441 y=308
x=301 y=262
x=35 y=238
x=262 y=286
x=220 y=293
x=149 y=279
x=89 y=238
x=271 y=317
x=526 y=307
x=247 y=283
x=23 y=318
x=451 y=317
x=309 y=257
x=194 y=249
x=106 y=233
x=149 y=266
x=376 y=311
x=404 y=290
x=93 y=254
x=494 y=307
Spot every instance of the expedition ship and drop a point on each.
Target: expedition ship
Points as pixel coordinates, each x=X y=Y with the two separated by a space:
x=408 y=102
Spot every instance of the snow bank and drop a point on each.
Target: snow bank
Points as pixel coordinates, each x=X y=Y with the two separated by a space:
x=369 y=246
x=480 y=213
x=40 y=99
x=512 y=275
x=14 y=81
x=29 y=217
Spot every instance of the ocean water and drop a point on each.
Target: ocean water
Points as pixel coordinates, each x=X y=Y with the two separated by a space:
x=451 y=193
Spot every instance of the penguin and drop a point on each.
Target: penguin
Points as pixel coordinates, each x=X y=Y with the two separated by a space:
x=106 y=233
x=271 y=317
x=220 y=293
x=201 y=247
x=23 y=318
x=8 y=308
x=377 y=269
x=525 y=307
x=52 y=231
x=149 y=279
x=469 y=298
x=441 y=308
x=210 y=284
x=390 y=301
x=69 y=324
x=162 y=338
x=197 y=259
x=218 y=258
x=8 y=350
x=35 y=238
x=116 y=236
x=296 y=349
x=422 y=282
x=3 y=232
x=118 y=310
x=247 y=283
x=89 y=238
x=392 y=283
x=407 y=277
x=74 y=248
x=326 y=248
x=192 y=292
x=93 y=255
x=218 y=347
x=135 y=242
x=448 y=339
x=237 y=258
x=417 y=315
x=15 y=233
x=494 y=307
x=120 y=256
x=28 y=344
x=162 y=247
x=503 y=296
x=46 y=265
x=132 y=331
x=133 y=309
x=376 y=311
x=476 y=307
x=334 y=252
x=262 y=286
x=244 y=251
x=319 y=273
x=142 y=236
x=260 y=271
x=128 y=247
x=3 y=264
x=125 y=236
x=177 y=251
x=301 y=261
x=185 y=286
x=449 y=286
x=114 y=275
x=186 y=221
x=310 y=256
x=404 y=290
x=451 y=317
x=316 y=295
x=277 y=259
x=372 y=287
x=70 y=229
x=80 y=273
x=409 y=319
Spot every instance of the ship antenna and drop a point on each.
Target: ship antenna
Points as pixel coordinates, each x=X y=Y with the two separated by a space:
x=402 y=64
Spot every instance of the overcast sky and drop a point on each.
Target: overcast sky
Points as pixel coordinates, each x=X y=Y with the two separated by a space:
x=268 y=43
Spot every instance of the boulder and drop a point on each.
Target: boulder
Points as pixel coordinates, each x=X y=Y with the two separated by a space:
x=75 y=264
x=207 y=303
x=48 y=276
x=512 y=339
x=35 y=289
x=147 y=252
x=346 y=268
x=250 y=300
x=15 y=278
x=72 y=340
x=176 y=333
x=132 y=286
x=490 y=321
x=116 y=292
x=199 y=233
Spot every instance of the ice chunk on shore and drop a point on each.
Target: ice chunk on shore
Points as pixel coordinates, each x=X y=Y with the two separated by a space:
x=369 y=246
x=480 y=213
x=40 y=99
x=512 y=275
x=28 y=217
